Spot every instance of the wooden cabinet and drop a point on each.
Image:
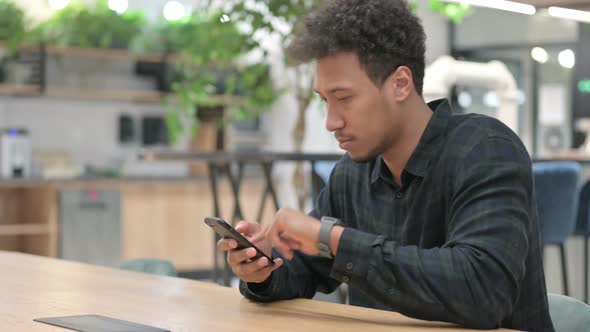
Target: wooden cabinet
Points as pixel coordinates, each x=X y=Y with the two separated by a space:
x=25 y=224
x=159 y=218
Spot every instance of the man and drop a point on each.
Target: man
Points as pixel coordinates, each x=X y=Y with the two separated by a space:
x=436 y=216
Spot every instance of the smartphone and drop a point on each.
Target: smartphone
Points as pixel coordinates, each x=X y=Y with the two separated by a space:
x=225 y=230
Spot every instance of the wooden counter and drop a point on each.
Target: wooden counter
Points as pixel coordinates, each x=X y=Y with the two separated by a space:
x=160 y=218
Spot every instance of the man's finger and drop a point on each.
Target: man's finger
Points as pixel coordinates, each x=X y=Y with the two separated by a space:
x=237 y=257
x=294 y=245
x=259 y=274
x=281 y=245
x=257 y=237
x=272 y=234
x=278 y=263
x=241 y=225
x=247 y=227
x=291 y=242
x=249 y=268
x=226 y=244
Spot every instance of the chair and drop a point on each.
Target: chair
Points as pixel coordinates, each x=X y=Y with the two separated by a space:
x=556 y=190
x=152 y=266
x=583 y=229
x=324 y=168
x=320 y=176
x=568 y=314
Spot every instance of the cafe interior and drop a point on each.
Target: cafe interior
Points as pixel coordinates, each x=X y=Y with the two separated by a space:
x=125 y=123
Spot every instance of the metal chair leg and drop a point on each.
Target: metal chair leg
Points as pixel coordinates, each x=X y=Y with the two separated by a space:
x=586 y=268
x=564 y=269
x=343 y=294
x=216 y=210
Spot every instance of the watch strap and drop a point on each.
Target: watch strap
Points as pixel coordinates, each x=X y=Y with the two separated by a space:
x=324 y=239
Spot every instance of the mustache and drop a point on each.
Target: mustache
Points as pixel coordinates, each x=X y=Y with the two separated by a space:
x=342 y=136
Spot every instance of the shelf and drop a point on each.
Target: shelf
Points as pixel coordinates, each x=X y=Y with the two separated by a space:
x=124 y=95
x=82 y=93
x=144 y=96
x=24 y=46
x=114 y=95
x=25 y=229
x=112 y=54
x=20 y=90
x=102 y=53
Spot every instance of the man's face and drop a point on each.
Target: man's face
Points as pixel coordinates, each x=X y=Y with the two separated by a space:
x=364 y=117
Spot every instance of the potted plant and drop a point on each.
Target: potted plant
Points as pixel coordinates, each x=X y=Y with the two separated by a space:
x=92 y=26
x=207 y=72
x=12 y=31
x=87 y=26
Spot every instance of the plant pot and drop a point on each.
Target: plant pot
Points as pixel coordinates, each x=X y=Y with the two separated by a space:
x=209 y=137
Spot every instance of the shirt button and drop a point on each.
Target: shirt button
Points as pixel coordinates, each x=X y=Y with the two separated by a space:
x=399 y=195
x=391 y=291
x=345 y=279
x=349 y=266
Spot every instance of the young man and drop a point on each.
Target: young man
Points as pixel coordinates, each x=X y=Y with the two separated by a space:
x=436 y=215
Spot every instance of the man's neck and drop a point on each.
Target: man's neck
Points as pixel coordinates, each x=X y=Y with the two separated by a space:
x=397 y=156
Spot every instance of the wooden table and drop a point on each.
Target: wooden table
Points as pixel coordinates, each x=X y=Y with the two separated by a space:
x=36 y=287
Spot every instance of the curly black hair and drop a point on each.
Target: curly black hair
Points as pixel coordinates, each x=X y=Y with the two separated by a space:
x=385 y=34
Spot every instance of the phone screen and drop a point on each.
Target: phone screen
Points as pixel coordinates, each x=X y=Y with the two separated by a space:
x=225 y=230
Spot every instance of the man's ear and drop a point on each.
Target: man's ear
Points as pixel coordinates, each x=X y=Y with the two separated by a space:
x=401 y=83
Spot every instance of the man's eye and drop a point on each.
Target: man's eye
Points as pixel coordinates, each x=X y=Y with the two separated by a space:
x=344 y=98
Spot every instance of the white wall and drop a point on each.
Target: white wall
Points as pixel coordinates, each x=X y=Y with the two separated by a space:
x=86 y=129
x=436 y=27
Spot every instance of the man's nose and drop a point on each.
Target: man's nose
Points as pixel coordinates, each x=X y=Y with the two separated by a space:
x=334 y=121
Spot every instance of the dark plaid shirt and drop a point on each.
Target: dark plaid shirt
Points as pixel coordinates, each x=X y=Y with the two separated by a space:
x=457 y=242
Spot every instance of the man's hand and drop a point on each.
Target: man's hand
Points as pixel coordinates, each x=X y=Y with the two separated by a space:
x=294 y=230
x=240 y=260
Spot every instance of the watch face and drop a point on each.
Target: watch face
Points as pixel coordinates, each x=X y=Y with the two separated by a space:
x=332 y=219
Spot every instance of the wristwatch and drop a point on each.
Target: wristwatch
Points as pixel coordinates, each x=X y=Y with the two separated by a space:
x=325 y=230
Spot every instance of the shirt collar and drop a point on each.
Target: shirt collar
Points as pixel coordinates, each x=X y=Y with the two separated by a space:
x=427 y=147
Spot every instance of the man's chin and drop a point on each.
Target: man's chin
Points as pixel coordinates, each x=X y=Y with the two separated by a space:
x=361 y=158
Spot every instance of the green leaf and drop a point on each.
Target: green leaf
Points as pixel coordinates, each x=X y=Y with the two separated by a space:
x=455 y=12
x=12 y=24
x=174 y=126
x=92 y=26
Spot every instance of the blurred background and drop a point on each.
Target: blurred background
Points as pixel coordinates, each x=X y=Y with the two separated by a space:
x=123 y=123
